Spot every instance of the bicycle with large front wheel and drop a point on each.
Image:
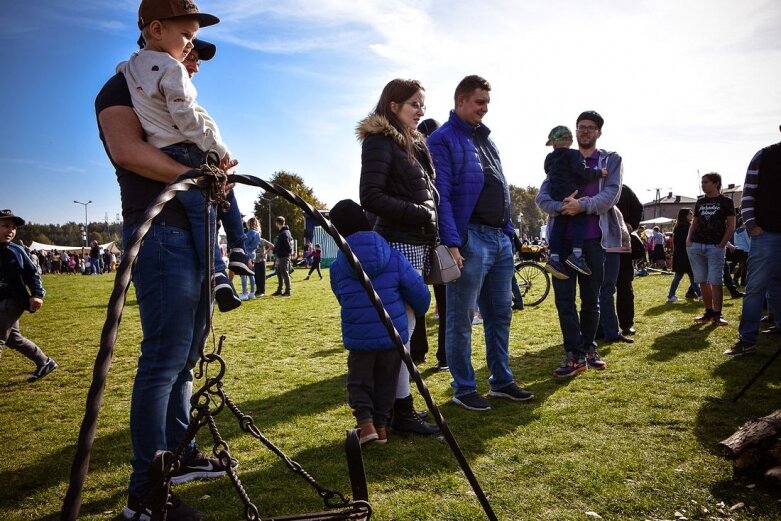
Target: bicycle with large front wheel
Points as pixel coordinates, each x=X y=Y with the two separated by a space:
x=533 y=281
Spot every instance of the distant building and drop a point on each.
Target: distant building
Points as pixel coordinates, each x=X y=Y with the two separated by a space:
x=667 y=206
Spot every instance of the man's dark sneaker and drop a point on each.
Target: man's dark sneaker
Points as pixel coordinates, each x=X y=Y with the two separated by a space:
x=705 y=317
x=277 y=293
x=578 y=264
x=200 y=466
x=517 y=307
x=556 y=269
x=740 y=348
x=570 y=368
x=224 y=294
x=239 y=262
x=286 y=293
x=629 y=331
x=179 y=511
x=737 y=294
x=472 y=401
x=772 y=330
x=441 y=366
x=621 y=338
x=767 y=319
x=42 y=370
x=594 y=361
x=513 y=392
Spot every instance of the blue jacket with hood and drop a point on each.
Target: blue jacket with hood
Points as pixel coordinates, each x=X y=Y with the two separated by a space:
x=395 y=281
x=20 y=274
x=459 y=176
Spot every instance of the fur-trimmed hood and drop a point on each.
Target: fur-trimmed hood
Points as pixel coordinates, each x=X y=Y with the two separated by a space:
x=376 y=124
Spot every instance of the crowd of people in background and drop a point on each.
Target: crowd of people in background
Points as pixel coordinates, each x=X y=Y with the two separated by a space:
x=95 y=261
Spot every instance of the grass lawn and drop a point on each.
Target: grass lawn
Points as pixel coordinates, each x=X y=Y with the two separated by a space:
x=636 y=441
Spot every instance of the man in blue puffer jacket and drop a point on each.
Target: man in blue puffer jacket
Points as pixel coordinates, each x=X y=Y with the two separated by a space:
x=373 y=363
x=20 y=290
x=474 y=222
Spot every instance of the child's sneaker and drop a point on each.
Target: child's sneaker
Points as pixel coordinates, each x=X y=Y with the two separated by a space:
x=578 y=264
x=555 y=268
x=382 y=435
x=368 y=432
x=224 y=293
x=243 y=297
x=570 y=367
x=42 y=370
x=239 y=262
x=595 y=361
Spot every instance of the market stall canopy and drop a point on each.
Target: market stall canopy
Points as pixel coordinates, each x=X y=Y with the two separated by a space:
x=110 y=246
x=657 y=221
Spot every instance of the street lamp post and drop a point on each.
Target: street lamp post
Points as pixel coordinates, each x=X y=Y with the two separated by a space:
x=268 y=230
x=84 y=233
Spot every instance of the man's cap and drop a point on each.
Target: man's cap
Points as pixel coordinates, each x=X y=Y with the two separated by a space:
x=591 y=115
x=348 y=217
x=427 y=126
x=206 y=50
x=8 y=214
x=560 y=133
x=151 y=10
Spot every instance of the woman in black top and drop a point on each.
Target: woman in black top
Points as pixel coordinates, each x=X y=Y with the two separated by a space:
x=681 y=264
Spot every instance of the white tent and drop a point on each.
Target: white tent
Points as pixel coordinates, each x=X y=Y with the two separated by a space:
x=110 y=246
x=658 y=221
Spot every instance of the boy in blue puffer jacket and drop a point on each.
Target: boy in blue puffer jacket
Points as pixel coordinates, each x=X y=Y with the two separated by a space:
x=373 y=362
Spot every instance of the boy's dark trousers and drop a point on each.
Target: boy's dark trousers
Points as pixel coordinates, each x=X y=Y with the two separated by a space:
x=576 y=224
x=371 y=384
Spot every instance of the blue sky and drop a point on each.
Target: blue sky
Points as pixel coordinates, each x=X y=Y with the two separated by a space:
x=684 y=86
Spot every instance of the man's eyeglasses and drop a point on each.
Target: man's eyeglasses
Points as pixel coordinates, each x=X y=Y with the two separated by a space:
x=193 y=58
x=589 y=128
x=417 y=106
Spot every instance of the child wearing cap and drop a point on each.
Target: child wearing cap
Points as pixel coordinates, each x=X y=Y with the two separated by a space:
x=21 y=290
x=373 y=362
x=567 y=173
x=164 y=99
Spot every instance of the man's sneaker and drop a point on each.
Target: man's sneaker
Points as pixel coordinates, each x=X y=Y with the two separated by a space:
x=672 y=299
x=243 y=297
x=740 y=348
x=239 y=262
x=200 y=466
x=513 y=392
x=578 y=264
x=286 y=294
x=570 y=368
x=738 y=294
x=718 y=320
x=179 y=511
x=705 y=317
x=224 y=293
x=595 y=361
x=368 y=432
x=556 y=269
x=441 y=367
x=472 y=401
x=42 y=370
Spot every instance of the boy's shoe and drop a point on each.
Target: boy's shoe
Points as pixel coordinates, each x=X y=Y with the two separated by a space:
x=578 y=264
x=42 y=370
x=718 y=320
x=705 y=317
x=513 y=392
x=595 y=361
x=472 y=401
x=179 y=510
x=368 y=432
x=672 y=299
x=556 y=269
x=382 y=435
x=200 y=466
x=224 y=293
x=740 y=348
x=570 y=368
x=241 y=263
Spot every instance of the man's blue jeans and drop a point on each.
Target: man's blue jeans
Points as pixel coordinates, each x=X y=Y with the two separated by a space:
x=485 y=278
x=579 y=333
x=173 y=309
x=764 y=278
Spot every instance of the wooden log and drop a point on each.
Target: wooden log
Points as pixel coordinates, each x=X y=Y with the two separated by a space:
x=759 y=433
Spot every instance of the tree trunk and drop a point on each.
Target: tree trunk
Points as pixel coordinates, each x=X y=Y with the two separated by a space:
x=760 y=433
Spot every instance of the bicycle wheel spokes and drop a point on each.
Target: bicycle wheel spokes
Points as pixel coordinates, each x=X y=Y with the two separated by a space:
x=533 y=281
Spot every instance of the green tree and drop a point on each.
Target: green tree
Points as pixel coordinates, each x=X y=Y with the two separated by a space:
x=294 y=216
x=522 y=201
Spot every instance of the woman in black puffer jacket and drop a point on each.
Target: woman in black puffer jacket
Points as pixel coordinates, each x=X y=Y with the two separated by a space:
x=397 y=186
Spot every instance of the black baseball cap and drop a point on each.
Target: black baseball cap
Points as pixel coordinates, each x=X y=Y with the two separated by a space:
x=591 y=115
x=8 y=214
